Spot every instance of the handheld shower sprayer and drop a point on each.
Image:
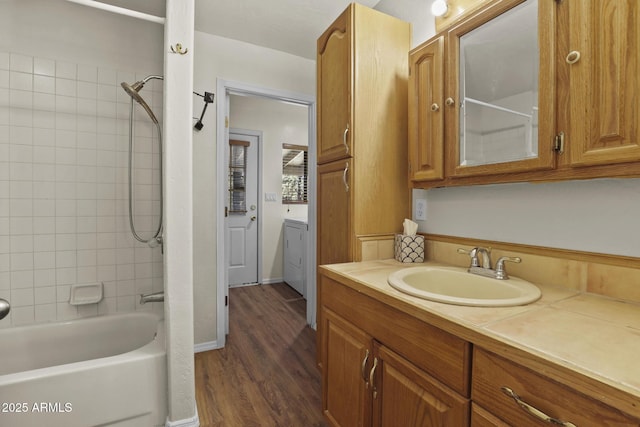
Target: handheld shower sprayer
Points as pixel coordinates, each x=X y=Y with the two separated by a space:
x=133 y=90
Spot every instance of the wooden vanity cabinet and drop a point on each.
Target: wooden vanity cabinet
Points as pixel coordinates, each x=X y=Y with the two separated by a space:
x=362 y=76
x=543 y=395
x=372 y=375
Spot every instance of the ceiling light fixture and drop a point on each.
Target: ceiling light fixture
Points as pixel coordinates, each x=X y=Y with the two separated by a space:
x=439 y=8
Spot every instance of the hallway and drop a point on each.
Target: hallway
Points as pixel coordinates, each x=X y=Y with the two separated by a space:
x=267 y=374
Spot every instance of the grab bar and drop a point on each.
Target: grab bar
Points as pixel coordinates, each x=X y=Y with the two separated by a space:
x=5 y=308
x=154 y=297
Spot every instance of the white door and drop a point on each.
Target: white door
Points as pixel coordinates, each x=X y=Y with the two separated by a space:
x=242 y=210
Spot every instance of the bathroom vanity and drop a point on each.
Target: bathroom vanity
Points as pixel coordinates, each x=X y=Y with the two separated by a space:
x=388 y=358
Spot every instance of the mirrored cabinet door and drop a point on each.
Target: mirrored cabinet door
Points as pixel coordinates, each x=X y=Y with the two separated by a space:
x=500 y=96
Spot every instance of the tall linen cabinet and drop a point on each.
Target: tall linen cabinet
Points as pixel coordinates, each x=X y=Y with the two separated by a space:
x=362 y=73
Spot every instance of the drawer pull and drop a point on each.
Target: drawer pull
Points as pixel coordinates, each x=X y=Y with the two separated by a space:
x=536 y=413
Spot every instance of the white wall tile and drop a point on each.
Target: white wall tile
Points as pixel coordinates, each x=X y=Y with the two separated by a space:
x=66 y=70
x=44 y=66
x=46 y=277
x=21 y=81
x=63 y=188
x=45 y=295
x=87 y=73
x=45 y=313
x=4 y=60
x=22 y=63
x=44 y=225
x=21 y=316
x=22 y=279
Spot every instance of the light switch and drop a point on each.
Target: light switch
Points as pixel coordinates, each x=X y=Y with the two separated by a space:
x=421 y=209
x=270 y=197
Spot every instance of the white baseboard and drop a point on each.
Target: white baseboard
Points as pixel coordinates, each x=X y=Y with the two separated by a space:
x=187 y=422
x=271 y=281
x=206 y=346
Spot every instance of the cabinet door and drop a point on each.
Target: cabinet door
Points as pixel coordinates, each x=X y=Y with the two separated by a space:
x=407 y=396
x=499 y=111
x=334 y=212
x=334 y=89
x=345 y=397
x=604 y=81
x=426 y=111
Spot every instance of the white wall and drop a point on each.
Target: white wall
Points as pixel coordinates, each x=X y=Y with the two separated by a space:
x=63 y=159
x=218 y=57
x=280 y=123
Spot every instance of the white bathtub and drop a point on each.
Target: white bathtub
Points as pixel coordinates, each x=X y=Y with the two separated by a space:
x=100 y=371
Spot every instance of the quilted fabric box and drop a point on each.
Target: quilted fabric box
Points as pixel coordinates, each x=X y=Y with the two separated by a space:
x=409 y=248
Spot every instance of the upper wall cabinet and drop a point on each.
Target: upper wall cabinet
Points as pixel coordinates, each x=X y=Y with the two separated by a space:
x=603 y=63
x=426 y=115
x=530 y=90
x=334 y=90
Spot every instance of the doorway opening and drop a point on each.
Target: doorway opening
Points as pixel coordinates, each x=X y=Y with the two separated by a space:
x=225 y=129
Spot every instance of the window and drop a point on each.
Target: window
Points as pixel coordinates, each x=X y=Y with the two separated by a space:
x=237 y=176
x=294 y=173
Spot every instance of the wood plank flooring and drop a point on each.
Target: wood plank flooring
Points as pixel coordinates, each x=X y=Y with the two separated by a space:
x=266 y=375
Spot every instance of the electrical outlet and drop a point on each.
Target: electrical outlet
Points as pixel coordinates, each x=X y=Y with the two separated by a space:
x=421 y=209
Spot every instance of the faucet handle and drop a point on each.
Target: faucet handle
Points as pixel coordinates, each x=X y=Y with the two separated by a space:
x=501 y=272
x=473 y=254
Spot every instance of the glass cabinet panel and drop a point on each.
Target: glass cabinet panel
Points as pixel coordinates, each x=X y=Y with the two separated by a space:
x=499 y=96
x=499 y=88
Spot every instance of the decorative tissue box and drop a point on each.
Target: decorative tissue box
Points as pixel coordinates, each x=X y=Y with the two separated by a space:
x=409 y=248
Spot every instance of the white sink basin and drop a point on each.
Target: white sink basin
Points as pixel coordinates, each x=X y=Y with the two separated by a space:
x=454 y=285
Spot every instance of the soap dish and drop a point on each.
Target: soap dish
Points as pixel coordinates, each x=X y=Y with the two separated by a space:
x=90 y=293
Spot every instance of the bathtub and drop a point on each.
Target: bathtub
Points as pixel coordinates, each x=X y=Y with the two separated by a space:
x=100 y=371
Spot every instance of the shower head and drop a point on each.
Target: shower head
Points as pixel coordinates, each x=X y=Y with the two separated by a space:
x=133 y=91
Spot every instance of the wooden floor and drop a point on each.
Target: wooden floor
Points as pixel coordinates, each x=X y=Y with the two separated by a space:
x=266 y=375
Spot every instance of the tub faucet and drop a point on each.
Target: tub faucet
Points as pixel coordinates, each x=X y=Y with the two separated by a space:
x=154 y=297
x=5 y=308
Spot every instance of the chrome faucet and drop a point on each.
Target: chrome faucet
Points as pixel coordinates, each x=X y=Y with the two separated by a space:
x=499 y=273
x=486 y=256
x=5 y=308
x=154 y=297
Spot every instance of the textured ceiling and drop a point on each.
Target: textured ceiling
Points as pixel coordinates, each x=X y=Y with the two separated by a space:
x=291 y=26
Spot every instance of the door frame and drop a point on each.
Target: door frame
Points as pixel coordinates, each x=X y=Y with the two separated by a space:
x=224 y=89
x=258 y=136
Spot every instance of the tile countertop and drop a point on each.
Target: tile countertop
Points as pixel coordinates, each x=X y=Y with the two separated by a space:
x=592 y=335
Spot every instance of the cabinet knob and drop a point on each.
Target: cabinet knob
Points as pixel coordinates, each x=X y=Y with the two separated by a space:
x=435 y=107
x=449 y=102
x=573 y=57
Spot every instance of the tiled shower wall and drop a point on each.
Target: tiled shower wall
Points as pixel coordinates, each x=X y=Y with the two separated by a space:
x=63 y=189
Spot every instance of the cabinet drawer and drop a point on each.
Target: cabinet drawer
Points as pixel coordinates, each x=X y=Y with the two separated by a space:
x=491 y=373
